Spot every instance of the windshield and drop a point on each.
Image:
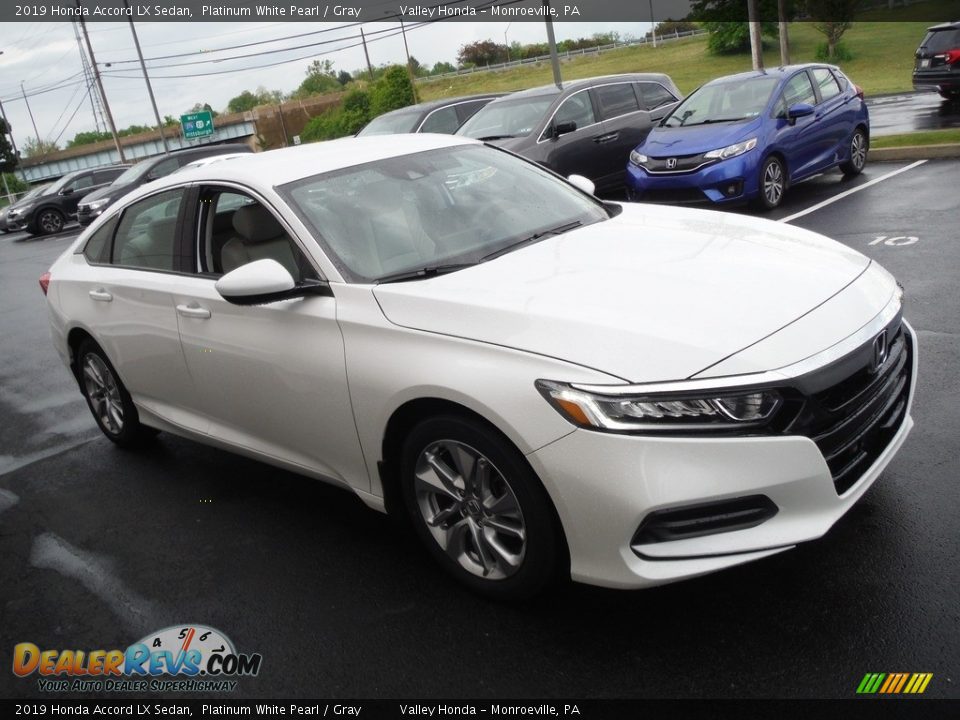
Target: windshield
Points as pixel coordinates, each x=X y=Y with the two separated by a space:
x=441 y=207
x=134 y=173
x=508 y=118
x=724 y=102
x=391 y=124
x=942 y=40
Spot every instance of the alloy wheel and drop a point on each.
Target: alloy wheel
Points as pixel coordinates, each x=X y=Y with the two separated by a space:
x=470 y=509
x=773 y=183
x=858 y=151
x=104 y=392
x=50 y=222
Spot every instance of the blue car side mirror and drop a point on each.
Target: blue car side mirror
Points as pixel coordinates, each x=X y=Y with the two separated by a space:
x=799 y=110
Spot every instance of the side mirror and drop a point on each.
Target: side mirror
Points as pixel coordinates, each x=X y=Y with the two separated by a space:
x=67 y=191
x=582 y=183
x=564 y=128
x=798 y=111
x=262 y=282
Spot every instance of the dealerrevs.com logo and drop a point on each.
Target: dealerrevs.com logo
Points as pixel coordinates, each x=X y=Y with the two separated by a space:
x=180 y=658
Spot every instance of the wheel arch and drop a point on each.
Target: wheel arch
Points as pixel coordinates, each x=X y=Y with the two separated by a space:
x=408 y=415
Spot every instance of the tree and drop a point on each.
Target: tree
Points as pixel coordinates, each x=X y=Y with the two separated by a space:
x=343 y=77
x=35 y=147
x=8 y=160
x=347 y=119
x=321 y=78
x=442 y=67
x=247 y=100
x=482 y=52
x=725 y=21
x=198 y=107
x=832 y=18
x=391 y=91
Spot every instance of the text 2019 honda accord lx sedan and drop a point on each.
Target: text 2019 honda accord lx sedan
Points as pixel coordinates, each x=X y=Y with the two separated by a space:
x=542 y=383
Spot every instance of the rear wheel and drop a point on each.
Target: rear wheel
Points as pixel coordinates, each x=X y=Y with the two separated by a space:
x=478 y=507
x=858 y=154
x=950 y=94
x=49 y=222
x=773 y=183
x=108 y=399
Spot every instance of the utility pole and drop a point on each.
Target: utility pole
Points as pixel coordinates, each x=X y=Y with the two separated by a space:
x=784 y=33
x=363 y=39
x=653 y=25
x=552 y=42
x=97 y=112
x=413 y=83
x=36 y=133
x=153 y=101
x=103 y=95
x=756 y=43
x=13 y=143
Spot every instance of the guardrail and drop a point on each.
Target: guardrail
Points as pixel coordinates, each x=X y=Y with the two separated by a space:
x=598 y=50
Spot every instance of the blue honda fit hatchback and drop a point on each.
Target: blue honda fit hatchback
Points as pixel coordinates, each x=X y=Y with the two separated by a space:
x=748 y=137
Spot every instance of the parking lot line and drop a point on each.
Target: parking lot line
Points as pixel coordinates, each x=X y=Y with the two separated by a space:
x=851 y=191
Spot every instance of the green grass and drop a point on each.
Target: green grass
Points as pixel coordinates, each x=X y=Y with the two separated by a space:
x=926 y=137
x=882 y=61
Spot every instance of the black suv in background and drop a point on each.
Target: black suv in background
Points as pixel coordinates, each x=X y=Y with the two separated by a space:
x=438 y=116
x=48 y=212
x=143 y=172
x=937 y=65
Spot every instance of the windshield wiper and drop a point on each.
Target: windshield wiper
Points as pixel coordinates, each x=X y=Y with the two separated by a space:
x=421 y=273
x=559 y=230
x=709 y=121
x=495 y=137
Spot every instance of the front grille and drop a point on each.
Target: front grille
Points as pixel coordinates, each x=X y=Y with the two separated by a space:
x=681 y=164
x=852 y=420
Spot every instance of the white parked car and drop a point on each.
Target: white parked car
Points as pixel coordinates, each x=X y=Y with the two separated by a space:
x=545 y=384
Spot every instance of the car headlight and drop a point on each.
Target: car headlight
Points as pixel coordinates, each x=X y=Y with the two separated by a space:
x=14 y=212
x=661 y=412
x=732 y=150
x=97 y=204
x=637 y=158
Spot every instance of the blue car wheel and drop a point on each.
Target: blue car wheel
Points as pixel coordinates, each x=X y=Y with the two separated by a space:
x=858 y=154
x=773 y=183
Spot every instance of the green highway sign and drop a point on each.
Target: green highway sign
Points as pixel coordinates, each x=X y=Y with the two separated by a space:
x=198 y=124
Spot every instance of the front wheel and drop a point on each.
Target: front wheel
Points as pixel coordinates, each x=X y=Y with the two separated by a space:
x=773 y=183
x=858 y=154
x=108 y=399
x=49 y=222
x=478 y=507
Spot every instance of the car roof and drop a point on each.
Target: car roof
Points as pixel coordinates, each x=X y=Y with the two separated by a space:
x=781 y=72
x=955 y=25
x=443 y=102
x=278 y=167
x=572 y=85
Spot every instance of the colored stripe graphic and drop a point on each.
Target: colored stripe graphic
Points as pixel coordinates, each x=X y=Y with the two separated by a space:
x=894 y=683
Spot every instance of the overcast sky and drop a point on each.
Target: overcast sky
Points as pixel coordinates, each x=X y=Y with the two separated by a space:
x=45 y=55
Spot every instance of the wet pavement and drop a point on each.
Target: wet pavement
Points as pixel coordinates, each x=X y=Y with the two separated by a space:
x=896 y=114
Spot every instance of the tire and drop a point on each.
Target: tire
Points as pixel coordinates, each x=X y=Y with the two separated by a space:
x=49 y=222
x=108 y=400
x=488 y=521
x=773 y=184
x=858 y=154
x=950 y=94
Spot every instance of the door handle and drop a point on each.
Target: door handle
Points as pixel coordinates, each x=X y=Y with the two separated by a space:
x=193 y=310
x=101 y=295
x=609 y=137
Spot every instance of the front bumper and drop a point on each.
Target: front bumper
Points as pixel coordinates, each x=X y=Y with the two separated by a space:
x=85 y=215
x=604 y=486
x=16 y=223
x=711 y=184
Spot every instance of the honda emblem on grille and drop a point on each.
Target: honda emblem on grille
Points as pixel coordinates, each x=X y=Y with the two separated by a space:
x=880 y=350
x=671 y=163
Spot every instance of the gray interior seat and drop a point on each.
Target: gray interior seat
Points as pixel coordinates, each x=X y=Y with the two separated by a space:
x=259 y=236
x=153 y=248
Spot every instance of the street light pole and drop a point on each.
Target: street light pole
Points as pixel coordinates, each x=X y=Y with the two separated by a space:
x=505 y=43
x=413 y=84
x=552 y=42
x=653 y=25
x=153 y=100
x=103 y=95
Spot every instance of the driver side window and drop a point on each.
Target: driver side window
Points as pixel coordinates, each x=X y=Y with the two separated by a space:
x=799 y=89
x=578 y=109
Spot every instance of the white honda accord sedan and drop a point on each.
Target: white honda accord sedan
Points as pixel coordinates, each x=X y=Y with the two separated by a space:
x=544 y=384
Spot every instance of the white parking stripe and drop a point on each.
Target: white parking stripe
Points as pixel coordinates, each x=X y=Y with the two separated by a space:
x=851 y=191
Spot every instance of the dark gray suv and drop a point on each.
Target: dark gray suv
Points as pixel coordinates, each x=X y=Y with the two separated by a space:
x=143 y=172
x=587 y=128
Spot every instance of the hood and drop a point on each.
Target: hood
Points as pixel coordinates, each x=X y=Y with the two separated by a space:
x=655 y=294
x=512 y=144
x=663 y=141
x=111 y=191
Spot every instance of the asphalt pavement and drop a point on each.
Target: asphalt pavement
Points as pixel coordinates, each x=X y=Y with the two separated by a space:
x=909 y=112
x=100 y=546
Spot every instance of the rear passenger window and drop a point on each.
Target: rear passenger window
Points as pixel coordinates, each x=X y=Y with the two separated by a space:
x=443 y=121
x=655 y=95
x=827 y=82
x=166 y=167
x=97 y=249
x=616 y=100
x=147 y=233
